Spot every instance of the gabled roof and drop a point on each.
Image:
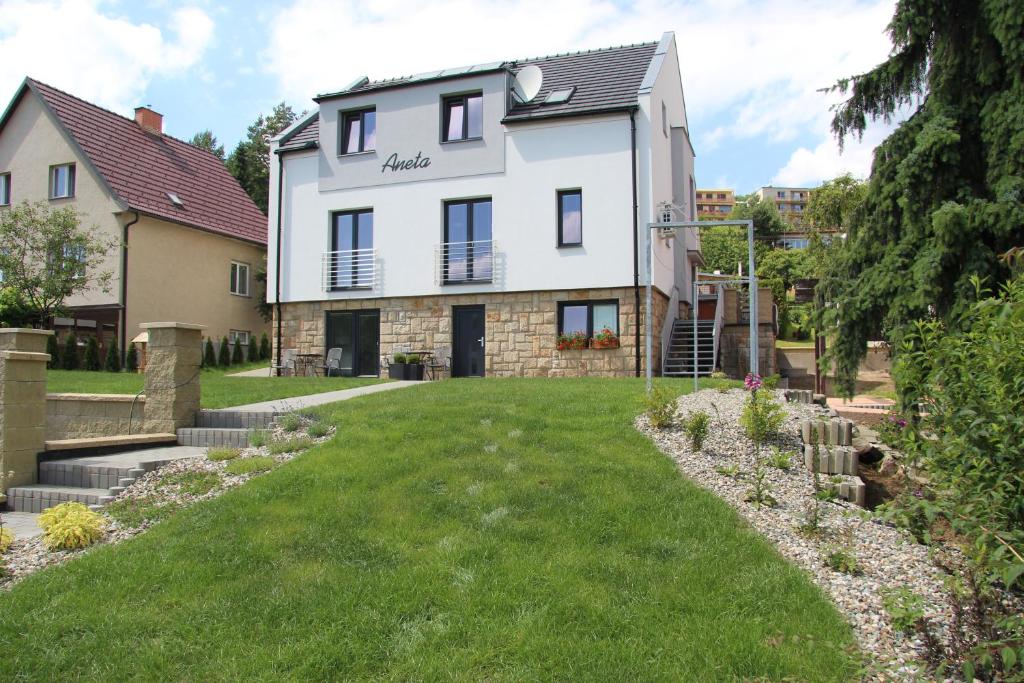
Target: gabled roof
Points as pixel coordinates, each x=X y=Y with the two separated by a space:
x=604 y=80
x=140 y=168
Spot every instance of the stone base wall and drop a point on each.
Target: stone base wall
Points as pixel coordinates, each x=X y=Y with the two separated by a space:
x=734 y=350
x=82 y=416
x=520 y=335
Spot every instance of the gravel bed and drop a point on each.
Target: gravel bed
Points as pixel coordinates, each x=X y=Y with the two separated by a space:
x=27 y=556
x=887 y=557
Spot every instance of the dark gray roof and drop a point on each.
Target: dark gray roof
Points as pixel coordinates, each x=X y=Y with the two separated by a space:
x=305 y=136
x=605 y=80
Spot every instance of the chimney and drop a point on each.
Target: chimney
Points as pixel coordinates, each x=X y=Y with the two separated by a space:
x=149 y=120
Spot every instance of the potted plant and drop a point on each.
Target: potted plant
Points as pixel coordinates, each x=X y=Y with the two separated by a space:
x=572 y=342
x=396 y=368
x=606 y=339
x=414 y=367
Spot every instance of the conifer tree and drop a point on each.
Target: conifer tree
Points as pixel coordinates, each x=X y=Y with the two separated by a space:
x=209 y=356
x=236 y=353
x=69 y=357
x=91 y=358
x=131 y=361
x=53 y=348
x=224 y=355
x=112 y=362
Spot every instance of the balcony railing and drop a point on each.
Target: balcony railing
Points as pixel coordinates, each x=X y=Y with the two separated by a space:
x=349 y=269
x=460 y=262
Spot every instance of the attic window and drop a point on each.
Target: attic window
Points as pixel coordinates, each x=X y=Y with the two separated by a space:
x=175 y=199
x=560 y=96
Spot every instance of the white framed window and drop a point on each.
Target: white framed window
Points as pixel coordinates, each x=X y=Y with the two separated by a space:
x=5 y=189
x=62 y=181
x=240 y=336
x=240 y=278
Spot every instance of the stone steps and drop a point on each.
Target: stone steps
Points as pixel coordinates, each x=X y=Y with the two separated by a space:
x=227 y=428
x=207 y=437
x=39 y=497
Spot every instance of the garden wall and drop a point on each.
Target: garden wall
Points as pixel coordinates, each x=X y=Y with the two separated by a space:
x=81 y=416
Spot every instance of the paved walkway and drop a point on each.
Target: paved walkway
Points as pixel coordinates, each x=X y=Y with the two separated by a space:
x=22 y=524
x=258 y=372
x=284 y=405
x=136 y=458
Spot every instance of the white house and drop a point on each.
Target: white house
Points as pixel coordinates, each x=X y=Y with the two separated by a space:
x=443 y=213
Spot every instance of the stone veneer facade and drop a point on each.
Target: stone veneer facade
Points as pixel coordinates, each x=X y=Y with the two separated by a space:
x=82 y=416
x=520 y=336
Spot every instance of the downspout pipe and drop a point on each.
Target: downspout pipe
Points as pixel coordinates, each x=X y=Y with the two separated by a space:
x=277 y=261
x=636 y=243
x=124 y=288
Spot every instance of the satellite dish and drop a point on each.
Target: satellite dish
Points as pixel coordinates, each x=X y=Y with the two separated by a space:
x=526 y=84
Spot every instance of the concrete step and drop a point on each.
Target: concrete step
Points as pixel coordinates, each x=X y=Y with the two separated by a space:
x=39 y=497
x=66 y=473
x=234 y=419
x=110 y=442
x=206 y=437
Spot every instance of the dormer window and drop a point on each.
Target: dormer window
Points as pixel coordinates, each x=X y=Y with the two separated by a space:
x=358 y=131
x=463 y=118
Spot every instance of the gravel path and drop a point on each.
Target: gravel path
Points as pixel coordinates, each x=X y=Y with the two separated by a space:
x=887 y=557
x=29 y=555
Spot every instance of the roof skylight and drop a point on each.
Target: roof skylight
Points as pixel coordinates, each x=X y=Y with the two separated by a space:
x=560 y=96
x=175 y=199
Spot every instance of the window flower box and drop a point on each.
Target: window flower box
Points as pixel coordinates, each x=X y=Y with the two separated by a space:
x=572 y=342
x=605 y=339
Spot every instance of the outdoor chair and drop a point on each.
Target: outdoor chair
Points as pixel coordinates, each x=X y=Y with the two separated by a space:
x=333 y=361
x=287 y=362
x=440 y=362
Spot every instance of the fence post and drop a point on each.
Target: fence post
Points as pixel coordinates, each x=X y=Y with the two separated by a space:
x=172 y=375
x=23 y=361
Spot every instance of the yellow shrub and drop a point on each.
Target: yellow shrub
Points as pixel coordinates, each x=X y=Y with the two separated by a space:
x=55 y=514
x=6 y=539
x=76 y=527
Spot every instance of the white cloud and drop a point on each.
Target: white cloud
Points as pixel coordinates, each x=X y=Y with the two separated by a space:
x=78 y=46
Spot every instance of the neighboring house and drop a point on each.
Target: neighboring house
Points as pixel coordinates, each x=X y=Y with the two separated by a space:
x=790 y=201
x=191 y=239
x=440 y=212
x=715 y=204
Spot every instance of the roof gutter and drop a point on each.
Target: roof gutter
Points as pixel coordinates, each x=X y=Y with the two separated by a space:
x=636 y=244
x=124 y=287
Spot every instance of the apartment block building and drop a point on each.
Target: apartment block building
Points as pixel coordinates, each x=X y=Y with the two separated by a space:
x=715 y=204
x=486 y=214
x=790 y=201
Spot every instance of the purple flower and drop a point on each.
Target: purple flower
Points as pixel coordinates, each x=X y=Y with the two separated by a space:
x=752 y=382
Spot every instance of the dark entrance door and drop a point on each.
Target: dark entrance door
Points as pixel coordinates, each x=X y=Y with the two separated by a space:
x=358 y=335
x=468 y=341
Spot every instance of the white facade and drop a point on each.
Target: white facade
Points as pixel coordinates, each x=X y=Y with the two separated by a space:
x=520 y=166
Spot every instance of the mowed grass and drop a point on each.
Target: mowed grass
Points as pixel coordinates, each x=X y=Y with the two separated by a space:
x=503 y=530
x=218 y=390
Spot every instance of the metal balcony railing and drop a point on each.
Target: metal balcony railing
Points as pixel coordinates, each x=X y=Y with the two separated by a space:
x=460 y=262
x=349 y=269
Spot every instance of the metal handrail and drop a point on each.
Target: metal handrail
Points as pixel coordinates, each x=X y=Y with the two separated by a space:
x=348 y=268
x=458 y=262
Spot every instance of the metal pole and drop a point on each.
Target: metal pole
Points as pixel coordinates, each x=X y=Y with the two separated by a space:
x=695 y=308
x=648 y=323
x=752 y=299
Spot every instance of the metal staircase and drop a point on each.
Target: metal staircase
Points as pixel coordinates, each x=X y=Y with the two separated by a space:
x=678 y=361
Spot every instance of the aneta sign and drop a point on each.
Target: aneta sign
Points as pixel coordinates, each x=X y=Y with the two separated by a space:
x=395 y=164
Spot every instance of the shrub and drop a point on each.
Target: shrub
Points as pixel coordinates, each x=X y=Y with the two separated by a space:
x=731 y=471
x=134 y=512
x=257 y=438
x=192 y=483
x=53 y=348
x=69 y=357
x=254 y=352
x=968 y=441
x=398 y=358
x=6 y=539
x=91 y=358
x=224 y=356
x=236 y=353
x=290 y=422
x=780 y=460
x=318 y=429
x=112 y=363
x=762 y=417
x=71 y=526
x=264 y=347
x=209 y=355
x=760 y=493
x=904 y=607
x=259 y=463
x=718 y=374
x=413 y=359
x=696 y=427
x=660 y=407
x=770 y=382
x=842 y=560
x=290 y=445
x=219 y=454
x=131 y=360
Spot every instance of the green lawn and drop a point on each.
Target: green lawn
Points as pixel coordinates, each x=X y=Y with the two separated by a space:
x=218 y=390
x=794 y=344
x=503 y=530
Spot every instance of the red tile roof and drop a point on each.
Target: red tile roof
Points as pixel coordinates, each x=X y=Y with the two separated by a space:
x=142 y=167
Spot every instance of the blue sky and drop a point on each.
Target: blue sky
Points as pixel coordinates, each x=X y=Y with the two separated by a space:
x=751 y=70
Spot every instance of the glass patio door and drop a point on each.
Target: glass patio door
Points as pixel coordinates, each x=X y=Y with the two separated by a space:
x=357 y=333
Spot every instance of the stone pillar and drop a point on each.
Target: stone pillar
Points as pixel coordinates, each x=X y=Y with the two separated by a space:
x=173 y=356
x=23 y=360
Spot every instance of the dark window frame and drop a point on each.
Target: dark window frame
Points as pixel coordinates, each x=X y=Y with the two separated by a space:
x=346 y=117
x=560 y=322
x=460 y=98
x=470 y=238
x=71 y=181
x=559 y=197
x=353 y=277
x=5 y=181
